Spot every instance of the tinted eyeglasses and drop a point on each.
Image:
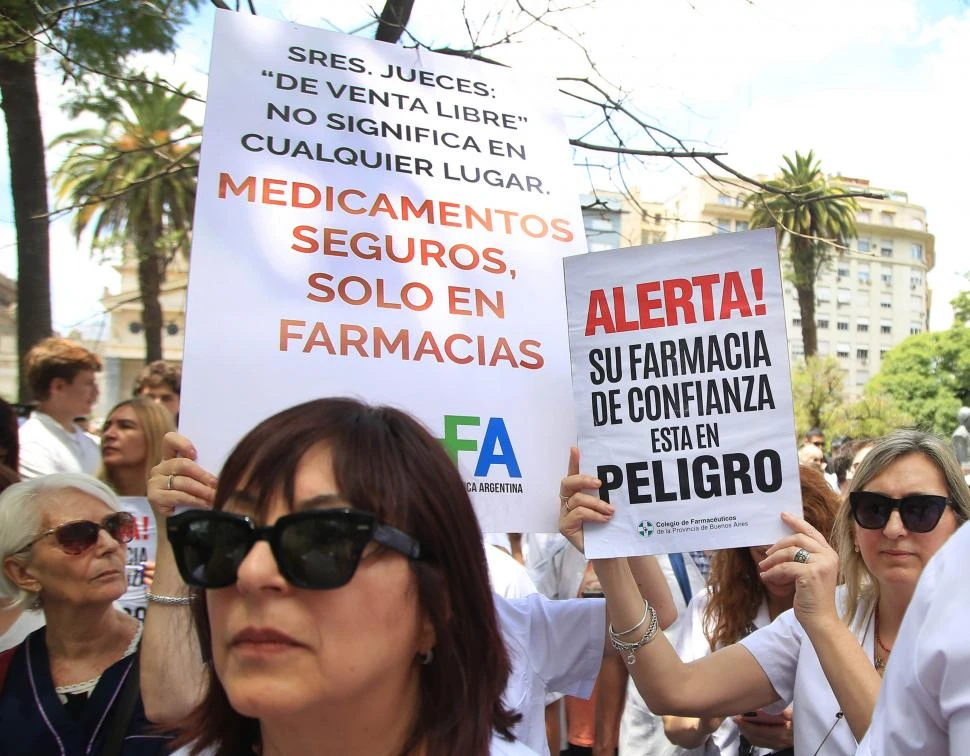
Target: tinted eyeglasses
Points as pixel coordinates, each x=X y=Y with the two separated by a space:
x=920 y=513
x=78 y=536
x=314 y=549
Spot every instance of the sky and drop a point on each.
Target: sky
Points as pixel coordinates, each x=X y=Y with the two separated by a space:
x=877 y=90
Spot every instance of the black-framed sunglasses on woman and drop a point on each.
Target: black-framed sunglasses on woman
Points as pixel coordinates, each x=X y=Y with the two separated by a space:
x=78 y=536
x=920 y=513
x=317 y=549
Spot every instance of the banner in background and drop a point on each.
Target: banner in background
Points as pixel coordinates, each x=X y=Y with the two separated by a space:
x=387 y=224
x=683 y=393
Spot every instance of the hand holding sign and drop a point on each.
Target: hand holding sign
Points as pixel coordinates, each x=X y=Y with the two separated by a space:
x=577 y=506
x=805 y=559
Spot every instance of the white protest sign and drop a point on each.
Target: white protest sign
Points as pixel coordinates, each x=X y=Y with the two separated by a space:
x=140 y=549
x=387 y=224
x=683 y=393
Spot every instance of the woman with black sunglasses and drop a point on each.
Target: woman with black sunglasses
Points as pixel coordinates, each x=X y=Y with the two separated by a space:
x=70 y=688
x=826 y=655
x=339 y=589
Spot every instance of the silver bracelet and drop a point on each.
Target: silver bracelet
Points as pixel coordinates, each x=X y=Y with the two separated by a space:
x=635 y=627
x=630 y=649
x=168 y=600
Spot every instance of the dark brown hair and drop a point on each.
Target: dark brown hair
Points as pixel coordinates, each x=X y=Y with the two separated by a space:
x=159 y=373
x=736 y=591
x=384 y=462
x=54 y=358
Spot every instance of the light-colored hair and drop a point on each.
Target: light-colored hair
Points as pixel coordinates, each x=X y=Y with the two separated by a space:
x=861 y=587
x=22 y=516
x=155 y=422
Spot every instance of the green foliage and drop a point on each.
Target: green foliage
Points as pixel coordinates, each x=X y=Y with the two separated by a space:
x=868 y=417
x=135 y=179
x=928 y=377
x=961 y=306
x=98 y=35
x=810 y=217
x=817 y=392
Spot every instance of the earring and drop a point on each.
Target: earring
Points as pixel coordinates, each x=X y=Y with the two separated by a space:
x=36 y=604
x=855 y=547
x=427 y=657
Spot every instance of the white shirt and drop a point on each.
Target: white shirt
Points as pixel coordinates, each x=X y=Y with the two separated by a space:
x=553 y=645
x=642 y=731
x=509 y=579
x=924 y=702
x=789 y=660
x=46 y=447
x=689 y=641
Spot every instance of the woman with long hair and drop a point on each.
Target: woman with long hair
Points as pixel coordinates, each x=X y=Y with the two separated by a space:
x=737 y=603
x=131 y=444
x=339 y=589
x=825 y=657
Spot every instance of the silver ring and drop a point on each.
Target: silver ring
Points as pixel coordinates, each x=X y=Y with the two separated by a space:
x=565 y=502
x=801 y=556
x=171 y=482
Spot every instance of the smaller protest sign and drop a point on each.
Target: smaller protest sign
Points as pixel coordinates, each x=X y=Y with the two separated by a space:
x=682 y=392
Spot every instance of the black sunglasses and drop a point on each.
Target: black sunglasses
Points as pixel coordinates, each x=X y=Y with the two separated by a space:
x=314 y=549
x=78 y=536
x=920 y=513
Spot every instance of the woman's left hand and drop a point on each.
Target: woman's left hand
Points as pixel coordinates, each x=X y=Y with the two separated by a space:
x=805 y=559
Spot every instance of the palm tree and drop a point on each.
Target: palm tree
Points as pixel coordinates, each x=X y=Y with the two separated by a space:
x=814 y=219
x=133 y=181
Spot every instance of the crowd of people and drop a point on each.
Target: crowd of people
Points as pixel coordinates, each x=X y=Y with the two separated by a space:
x=329 y=591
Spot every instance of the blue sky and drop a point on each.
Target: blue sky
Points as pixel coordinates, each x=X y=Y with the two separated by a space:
x=876 y=89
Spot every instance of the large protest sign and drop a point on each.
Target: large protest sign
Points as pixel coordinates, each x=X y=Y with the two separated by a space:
x=387 y=224
x=683 y=393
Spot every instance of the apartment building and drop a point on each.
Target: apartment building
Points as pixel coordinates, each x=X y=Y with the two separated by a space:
x=868 y=299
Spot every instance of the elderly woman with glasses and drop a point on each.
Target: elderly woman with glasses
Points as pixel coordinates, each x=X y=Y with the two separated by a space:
x=71 y=687
x=339 y=588
x=825 y=656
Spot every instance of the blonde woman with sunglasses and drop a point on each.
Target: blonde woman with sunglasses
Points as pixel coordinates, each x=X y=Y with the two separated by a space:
x=70 y=688
x=825 y=656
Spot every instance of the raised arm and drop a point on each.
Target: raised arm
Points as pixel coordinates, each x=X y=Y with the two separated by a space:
x=172 y=679
x=721 y=684
x=647 y=574
x=848 y=669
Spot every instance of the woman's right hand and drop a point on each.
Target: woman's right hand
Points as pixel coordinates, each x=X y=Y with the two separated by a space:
x=577 y=507
x=178 y=480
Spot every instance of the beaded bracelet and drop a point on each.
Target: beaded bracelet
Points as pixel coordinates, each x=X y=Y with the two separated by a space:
x=168 y=600
x=630 y=649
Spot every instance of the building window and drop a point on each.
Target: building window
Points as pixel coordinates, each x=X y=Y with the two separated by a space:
x=862 y=354
x=845 y=296
x=885 y=326
x=916 y=252
x=862 y=378
x=886 y=248
x=915 y=279
x=862 y=325
x=823 y=347
x=916 y=302
x=863 y=245
x=863 y=274
x=723 y=226
x=882 y=353
x=796 y=322
x=822 y=323
x=915 y=328
x=887 y=219
x=823 y=294
x=843 y=270
x=842 y=325
x=741 y=226
x=886 y=302
x=864 y=216
x=916 y=224
x=723 y=199
x=842 y=350
x=886 y=277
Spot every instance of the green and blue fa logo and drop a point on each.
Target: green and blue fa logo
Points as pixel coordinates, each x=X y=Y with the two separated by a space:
x=645 y=529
